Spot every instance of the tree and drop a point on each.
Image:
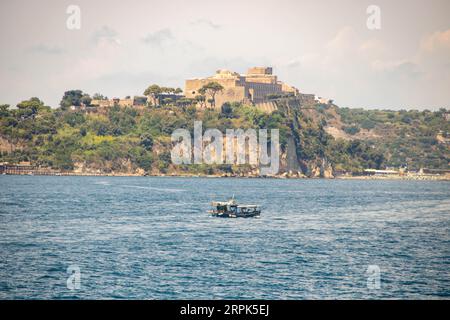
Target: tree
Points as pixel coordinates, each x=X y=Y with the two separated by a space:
x=139 y=100
x=200 y=99
x=368 y=124
x=4 y=112
x=74 y=118
x=30 y=108
x=85 y=99
x=73 y=98
x=211 y=89
x=146 y=141
x=178 y=91
x=167 y=90
x=98 y=96
x=153 y=91
x=406 y=119
x=352 y=130
x=167 y=101
x=184 y=102
x=227 y=110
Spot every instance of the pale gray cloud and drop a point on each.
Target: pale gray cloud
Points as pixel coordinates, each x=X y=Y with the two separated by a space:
x=207 y=23
x=159 y=38
x=105 y=34
x=46 y=49
x=131 y=83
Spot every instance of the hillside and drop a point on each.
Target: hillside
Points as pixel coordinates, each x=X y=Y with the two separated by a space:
x=417 y=139
x=316 y=141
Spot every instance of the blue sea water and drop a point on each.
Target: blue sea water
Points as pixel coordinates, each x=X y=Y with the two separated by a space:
x=151 y=238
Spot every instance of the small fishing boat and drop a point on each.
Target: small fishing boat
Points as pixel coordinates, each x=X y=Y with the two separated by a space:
x=230 y=209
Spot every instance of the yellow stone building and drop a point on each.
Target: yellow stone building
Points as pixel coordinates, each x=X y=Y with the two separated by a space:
x=253 y=87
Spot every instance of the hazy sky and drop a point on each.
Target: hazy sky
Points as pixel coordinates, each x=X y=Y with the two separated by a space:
x=321 y=47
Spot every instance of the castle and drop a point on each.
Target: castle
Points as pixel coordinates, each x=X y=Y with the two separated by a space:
x=258 y=87
x=252 y=88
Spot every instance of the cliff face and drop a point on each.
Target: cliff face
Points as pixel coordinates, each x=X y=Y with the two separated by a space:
x=292 y=163
x=322 y=170
x=296 y=163
x=8 y=146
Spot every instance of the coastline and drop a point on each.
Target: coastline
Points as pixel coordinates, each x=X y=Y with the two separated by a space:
x=399 y=177
x=408 y=177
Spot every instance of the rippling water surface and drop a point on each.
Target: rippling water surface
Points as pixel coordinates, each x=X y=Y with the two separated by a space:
x=150 y=238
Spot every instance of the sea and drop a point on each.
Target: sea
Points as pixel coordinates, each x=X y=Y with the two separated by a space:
x=73 y=237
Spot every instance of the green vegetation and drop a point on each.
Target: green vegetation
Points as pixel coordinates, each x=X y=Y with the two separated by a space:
x=127 y=140
x=352 y=130
x=74 y=98
x=164 y=96
x=211 y=89
x=403 y=137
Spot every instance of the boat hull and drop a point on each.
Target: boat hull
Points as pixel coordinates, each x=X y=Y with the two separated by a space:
x=255 y=214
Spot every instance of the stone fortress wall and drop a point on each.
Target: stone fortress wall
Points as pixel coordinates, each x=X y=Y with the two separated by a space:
x=250 y=88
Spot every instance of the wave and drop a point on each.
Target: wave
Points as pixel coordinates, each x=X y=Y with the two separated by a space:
x=153 y=188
